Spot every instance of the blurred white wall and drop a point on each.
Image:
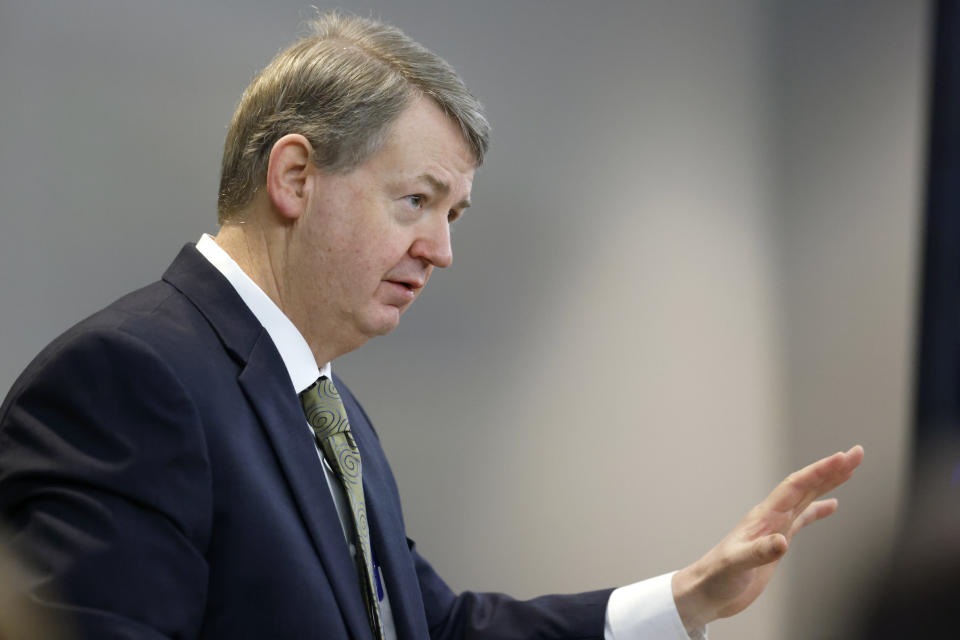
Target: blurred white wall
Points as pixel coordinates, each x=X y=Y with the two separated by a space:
x=688 y=270
x=851 y=105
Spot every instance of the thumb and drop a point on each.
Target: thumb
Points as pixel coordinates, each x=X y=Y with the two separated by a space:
x=762 y=551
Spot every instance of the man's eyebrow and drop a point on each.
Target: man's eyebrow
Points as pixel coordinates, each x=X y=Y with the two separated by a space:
x=442 y=188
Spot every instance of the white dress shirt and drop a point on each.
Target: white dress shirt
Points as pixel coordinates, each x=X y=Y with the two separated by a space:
x=644 y=610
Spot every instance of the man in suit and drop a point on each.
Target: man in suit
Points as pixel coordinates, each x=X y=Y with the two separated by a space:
x=185 y=464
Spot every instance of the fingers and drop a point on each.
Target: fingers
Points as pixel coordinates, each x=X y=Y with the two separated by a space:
x=856 y=455
x=814 y=511
x=760 y=552
x=804 y=486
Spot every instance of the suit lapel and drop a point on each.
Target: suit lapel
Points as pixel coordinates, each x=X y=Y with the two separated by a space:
x=275 y=402
x=267 y=387
x=390 y=547
x=387 y=528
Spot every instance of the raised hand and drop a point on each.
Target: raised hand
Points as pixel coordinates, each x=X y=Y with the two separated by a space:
x=732 y=574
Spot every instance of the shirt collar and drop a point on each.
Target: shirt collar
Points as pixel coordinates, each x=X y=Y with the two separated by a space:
x=294 y=350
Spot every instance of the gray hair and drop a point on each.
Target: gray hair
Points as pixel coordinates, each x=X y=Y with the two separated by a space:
x=341 y=87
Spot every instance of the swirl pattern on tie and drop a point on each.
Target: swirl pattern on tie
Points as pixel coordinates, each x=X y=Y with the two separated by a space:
x=348 y=459
x=324 y=409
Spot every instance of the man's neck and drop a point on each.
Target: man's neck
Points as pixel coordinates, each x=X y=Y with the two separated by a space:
x=261 y=256
x=247 y=245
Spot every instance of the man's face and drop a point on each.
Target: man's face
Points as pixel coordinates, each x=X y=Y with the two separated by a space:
x=370 y=239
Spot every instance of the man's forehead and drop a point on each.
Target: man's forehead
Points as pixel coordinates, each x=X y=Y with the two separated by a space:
x=425 y=123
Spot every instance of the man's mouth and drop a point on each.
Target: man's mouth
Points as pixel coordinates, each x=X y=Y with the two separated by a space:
x=404 y=291
x=411 y=285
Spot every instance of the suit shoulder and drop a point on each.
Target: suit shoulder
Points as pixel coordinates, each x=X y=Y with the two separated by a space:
x=142 y=330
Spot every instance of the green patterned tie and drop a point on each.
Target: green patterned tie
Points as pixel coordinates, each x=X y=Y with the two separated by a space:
x=325 y=413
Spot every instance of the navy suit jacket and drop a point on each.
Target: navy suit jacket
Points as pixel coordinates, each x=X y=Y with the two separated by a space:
x=157 y=476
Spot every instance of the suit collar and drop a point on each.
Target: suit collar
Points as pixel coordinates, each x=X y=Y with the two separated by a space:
x=211 y=293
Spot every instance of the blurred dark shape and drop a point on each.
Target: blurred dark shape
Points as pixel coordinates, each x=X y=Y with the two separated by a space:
x=19 y=618
x=920 y=593
x=937 y=380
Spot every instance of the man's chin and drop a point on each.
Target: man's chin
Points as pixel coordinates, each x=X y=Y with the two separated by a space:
x=387 y=319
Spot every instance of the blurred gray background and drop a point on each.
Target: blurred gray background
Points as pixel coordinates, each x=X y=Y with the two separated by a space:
x=690 y=268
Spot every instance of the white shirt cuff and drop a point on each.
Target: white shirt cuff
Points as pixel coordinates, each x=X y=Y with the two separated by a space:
x=645 y=610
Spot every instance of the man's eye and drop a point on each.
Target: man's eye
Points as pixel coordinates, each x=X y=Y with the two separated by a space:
x=415 y=201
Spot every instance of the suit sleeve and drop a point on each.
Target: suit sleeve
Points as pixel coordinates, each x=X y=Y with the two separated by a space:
x=496 y=616
x=105 y=486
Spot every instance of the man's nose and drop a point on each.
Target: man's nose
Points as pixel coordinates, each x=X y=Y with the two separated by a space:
x=433 y=243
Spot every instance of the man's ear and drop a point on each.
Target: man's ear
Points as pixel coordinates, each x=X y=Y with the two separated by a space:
x=288 y=174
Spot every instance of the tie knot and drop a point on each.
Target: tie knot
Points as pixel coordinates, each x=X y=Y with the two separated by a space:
x=323 y=408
